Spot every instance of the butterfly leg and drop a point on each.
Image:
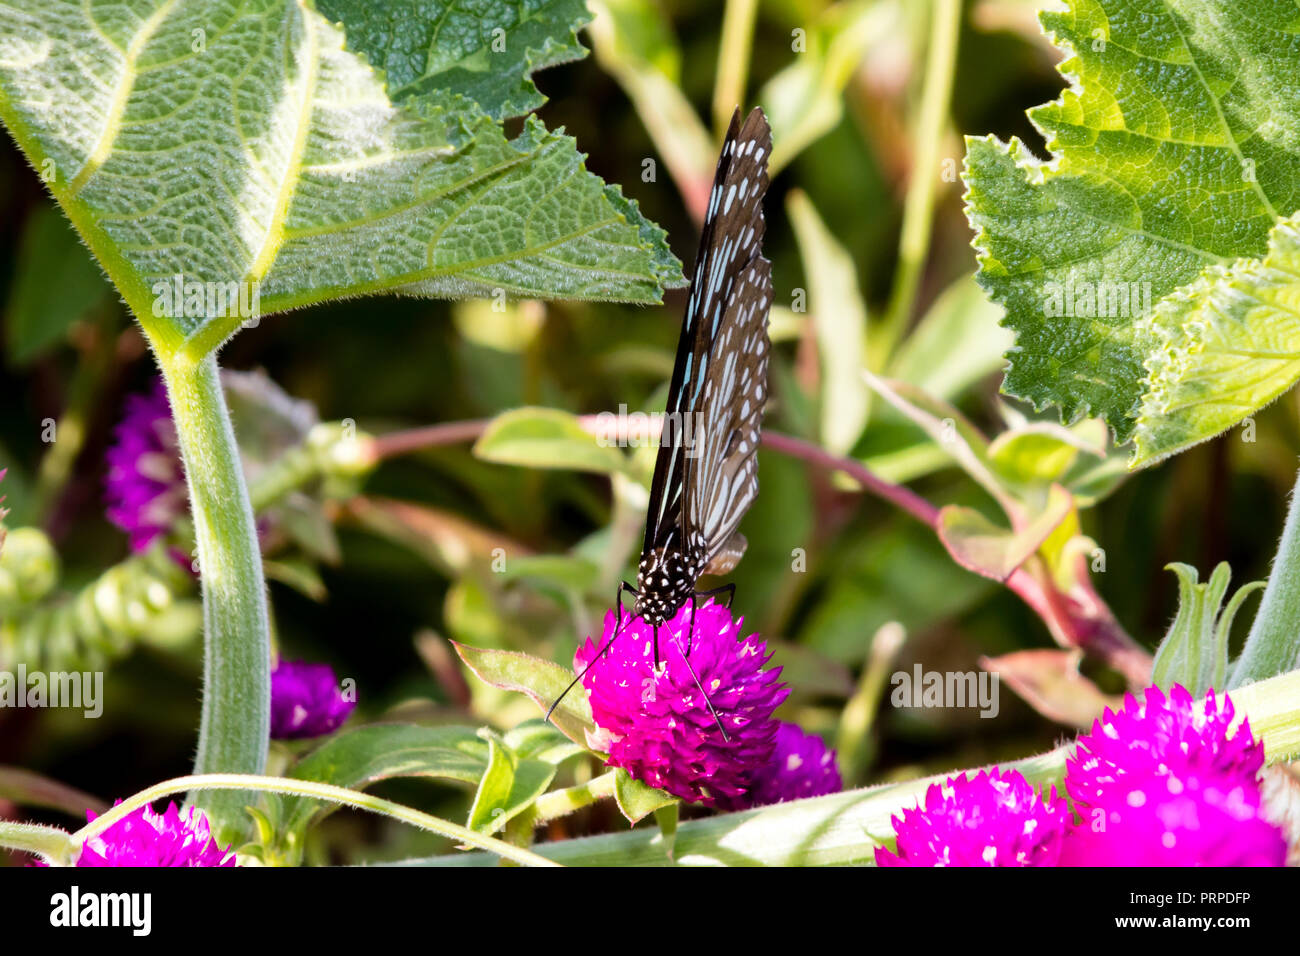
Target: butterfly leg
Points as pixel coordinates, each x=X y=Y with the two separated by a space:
x=618 y=629
x=728 y=589
x=690 y=634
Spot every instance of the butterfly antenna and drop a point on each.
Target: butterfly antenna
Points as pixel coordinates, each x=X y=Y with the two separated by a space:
x=708 y=703
x=591 y=663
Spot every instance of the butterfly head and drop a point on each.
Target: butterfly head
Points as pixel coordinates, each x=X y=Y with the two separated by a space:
x=664 y=580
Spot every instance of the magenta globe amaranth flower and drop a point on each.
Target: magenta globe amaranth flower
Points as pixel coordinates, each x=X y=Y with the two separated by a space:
x=145 y=489
x=174 y=837
x=1170 y=782
x=306 y=701
x=994 y=818
x=657 y=724
x=801 y=766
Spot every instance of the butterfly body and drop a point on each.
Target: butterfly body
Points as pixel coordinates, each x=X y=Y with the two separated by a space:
x=665 y=580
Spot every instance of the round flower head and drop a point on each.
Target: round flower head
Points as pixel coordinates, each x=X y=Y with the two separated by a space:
x=801 y=766
x=145 y=489
x=995 y=818
x=306 y=701
x=1169 y=782
x=657 y=725
x=145 y=838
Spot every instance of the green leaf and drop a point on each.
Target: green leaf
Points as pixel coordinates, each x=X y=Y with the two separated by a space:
x=540 y=740
x=956 y=343
x=546 y=438
x=486 y=51
x=1195 y=651
x=637 y=800
x=542 y=681
x=1040 y=452
x=286 y=169
x=361 y=756
x=509 y=786
x=1175 y=151
x=979 y=545
x=561 y=570
x=55 y=283
x=1227 y=345
x=840 y=320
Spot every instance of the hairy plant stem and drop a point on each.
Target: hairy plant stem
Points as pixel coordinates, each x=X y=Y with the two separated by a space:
x=559 y=803
x=1273 y=645
x=236 y=711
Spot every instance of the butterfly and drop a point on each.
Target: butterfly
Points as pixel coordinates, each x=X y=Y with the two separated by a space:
x=706 y=472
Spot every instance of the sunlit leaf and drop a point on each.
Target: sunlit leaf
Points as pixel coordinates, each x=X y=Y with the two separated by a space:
x=546 y=438
x=1175 y=152
x=542 y=681
x=509 y=786
x=637 y=800
x=287 y=170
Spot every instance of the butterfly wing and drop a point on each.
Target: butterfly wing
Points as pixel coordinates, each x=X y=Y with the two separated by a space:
x=705 y=475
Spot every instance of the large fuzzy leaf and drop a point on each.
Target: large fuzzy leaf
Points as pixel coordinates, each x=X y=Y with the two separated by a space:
x=246 y=143
x=1175 y=153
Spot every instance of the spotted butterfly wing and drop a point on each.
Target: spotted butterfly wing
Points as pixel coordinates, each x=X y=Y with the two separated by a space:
x=706 y=475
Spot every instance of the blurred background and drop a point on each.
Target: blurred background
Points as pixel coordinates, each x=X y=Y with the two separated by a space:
x=380 y=575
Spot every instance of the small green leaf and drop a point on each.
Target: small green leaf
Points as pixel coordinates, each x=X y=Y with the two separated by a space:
x=957 y=343
x=542 y=681
x=562 y=571
x=540 y=740
x=360 y=756
x=1040 y=452
x=1194 y=653
x=546 y=438
x=300 y=575
x=979 y=545
x=637 y=800
x=56 y=282
x=509 y=786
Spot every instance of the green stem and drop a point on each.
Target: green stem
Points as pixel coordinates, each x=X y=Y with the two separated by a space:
x=918 y=210
x=237 y=685
x=854 y=743
x=241 y=784
x=560 y=803
x=733 y=60
x=51 y=844
x=1273 y=645
x=836 y=829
